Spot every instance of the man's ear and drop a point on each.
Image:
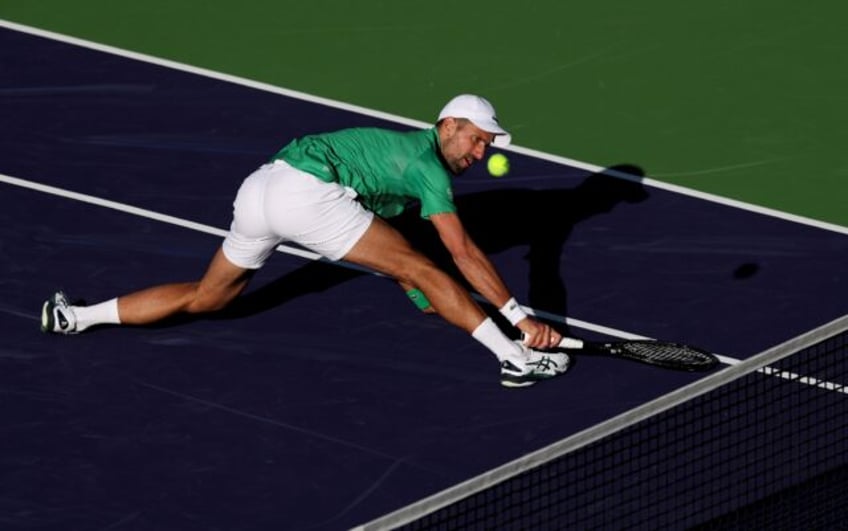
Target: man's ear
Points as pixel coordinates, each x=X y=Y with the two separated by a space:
x=449 y=126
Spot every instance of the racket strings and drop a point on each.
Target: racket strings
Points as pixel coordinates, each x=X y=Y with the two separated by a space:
x=677 y=356
x=668 y=353
x=661 y=352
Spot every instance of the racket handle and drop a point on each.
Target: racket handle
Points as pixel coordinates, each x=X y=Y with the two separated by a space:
x=570 y=342
x=566 y=342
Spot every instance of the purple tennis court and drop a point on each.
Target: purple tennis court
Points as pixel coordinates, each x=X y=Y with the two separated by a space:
x=323 y=399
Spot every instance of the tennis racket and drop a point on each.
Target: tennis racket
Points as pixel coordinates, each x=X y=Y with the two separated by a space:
x=664 y=354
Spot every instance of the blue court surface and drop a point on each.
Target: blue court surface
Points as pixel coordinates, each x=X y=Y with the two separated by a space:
x=322 y=399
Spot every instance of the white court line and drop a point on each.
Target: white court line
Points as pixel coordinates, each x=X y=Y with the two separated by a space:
x=413 y=123
x=141 y=212
x=804 y=380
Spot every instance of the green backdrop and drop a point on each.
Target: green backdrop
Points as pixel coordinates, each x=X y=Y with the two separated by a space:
x=745 y=99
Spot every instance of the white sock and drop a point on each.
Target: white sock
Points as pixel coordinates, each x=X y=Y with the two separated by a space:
x=492 y=338
x=102 y=313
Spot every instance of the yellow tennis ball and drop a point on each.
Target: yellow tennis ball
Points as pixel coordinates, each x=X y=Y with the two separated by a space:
x=498 y=165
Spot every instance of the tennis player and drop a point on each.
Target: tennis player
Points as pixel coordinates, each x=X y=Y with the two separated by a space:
x=329 y=193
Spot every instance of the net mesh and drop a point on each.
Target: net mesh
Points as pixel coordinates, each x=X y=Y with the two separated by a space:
x=766 y=449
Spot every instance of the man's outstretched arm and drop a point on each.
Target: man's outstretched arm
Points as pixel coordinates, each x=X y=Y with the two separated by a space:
x=476 y=267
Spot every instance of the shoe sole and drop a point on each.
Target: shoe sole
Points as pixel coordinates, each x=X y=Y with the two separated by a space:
x=516 y=385
x=528 y=382
x=46 y=318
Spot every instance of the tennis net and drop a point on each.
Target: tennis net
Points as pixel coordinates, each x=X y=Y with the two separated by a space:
x=761 y=444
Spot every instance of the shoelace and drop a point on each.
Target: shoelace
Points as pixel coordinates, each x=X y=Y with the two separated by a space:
x=545 y=363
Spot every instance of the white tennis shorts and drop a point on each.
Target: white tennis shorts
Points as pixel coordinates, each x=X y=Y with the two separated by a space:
x=279 y=203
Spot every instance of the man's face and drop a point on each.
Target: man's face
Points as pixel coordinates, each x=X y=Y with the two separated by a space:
x=463 y=143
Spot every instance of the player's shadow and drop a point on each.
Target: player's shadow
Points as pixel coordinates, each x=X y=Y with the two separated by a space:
x=540 y=220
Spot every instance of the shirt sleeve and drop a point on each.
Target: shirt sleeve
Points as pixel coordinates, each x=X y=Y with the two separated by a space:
x=436 y=194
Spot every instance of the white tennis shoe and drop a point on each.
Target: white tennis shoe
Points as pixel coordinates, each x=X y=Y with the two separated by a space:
x=535 y=365
x=57 y=316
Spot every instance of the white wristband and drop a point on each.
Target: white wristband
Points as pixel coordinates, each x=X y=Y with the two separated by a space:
x=512 y=311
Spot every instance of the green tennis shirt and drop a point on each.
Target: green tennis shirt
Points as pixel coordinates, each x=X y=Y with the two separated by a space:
x=388 y=169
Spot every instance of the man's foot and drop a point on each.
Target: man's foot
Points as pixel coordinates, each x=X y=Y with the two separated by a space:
x=536 y=365
x=57 y=316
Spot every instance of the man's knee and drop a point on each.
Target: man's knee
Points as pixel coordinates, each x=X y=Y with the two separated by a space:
x=206 y=301
x=420 y=271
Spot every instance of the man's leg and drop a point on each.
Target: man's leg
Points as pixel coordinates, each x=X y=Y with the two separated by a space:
x=384 y=249
x=222 y=283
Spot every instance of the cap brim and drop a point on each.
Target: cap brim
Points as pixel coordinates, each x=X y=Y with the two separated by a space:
x=502 y=138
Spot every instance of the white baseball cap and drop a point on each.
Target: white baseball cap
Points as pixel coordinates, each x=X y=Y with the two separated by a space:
x=480 y=112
